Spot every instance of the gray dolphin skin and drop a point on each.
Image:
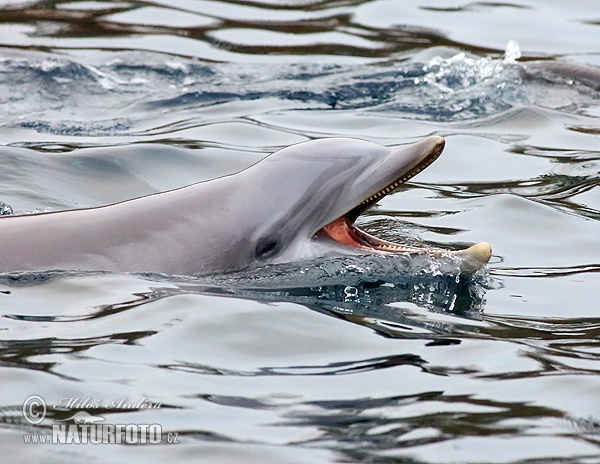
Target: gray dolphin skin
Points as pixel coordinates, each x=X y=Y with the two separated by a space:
x=587 y=75
x=298 y=203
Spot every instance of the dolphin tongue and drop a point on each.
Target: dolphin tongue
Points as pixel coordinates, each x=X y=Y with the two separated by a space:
x=342 y=230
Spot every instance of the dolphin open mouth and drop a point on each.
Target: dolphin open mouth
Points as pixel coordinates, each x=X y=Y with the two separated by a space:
x=343 y=229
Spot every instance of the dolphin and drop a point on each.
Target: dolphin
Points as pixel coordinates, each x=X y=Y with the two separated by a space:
x=585 y=74
x=296 y=204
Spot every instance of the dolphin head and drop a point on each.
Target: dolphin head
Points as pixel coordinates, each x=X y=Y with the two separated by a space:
x=307 y=197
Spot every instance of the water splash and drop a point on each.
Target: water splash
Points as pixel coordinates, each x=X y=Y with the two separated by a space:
x=512 y=52
x=345 y=270
x=464 y=87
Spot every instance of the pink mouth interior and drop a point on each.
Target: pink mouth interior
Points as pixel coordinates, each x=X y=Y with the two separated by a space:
x=343 y=231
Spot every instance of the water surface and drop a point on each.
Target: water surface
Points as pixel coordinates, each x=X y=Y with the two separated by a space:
x=343 y=361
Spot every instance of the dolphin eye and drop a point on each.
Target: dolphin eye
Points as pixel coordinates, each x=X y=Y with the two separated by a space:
x=266 y=248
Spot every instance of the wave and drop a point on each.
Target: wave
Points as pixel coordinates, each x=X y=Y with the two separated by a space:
x=123 y=95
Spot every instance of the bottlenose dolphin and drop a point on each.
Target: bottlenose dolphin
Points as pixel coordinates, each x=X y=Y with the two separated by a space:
x=585 y=74
x=298 y=203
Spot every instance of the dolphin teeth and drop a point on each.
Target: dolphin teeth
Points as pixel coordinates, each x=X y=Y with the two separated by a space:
x=390 y=188
x=391 y=247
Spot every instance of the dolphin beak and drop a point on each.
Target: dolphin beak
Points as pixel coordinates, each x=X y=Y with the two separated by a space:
x=403 y=164
x=412 y=160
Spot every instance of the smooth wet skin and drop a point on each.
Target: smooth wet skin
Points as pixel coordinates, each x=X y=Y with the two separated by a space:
x=288 y=207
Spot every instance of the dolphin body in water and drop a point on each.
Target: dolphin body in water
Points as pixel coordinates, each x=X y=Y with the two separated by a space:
x=296 y=204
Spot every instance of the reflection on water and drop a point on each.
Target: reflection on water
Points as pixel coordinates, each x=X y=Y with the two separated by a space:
x=353 y=361
x=266 y=371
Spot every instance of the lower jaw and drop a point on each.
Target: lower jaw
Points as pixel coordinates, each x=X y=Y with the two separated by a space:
x=343 y=231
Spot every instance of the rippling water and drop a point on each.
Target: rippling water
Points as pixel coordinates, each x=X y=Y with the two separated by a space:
x=339 y=361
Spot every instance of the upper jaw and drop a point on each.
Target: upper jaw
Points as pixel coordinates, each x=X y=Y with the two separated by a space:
x=383 y=177
x=400 y=165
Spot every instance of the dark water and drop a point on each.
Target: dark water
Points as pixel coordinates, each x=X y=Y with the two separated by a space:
x=344 y=361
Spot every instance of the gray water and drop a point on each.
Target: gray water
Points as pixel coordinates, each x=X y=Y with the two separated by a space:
x=351 y=360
